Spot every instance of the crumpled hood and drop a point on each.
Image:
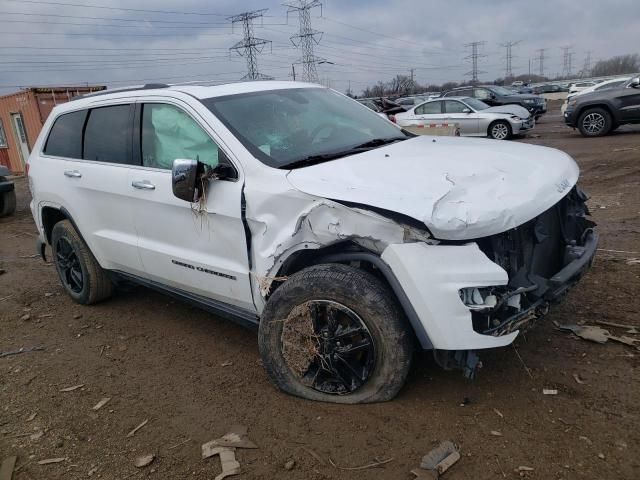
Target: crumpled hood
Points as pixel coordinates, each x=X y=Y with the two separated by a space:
x=461 y=188
x=510 y=109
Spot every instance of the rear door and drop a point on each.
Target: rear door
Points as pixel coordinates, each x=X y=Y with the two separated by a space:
x=198 y=248
x=84 y=169
x=430 y=112
x=629 y=101
x=467 y=121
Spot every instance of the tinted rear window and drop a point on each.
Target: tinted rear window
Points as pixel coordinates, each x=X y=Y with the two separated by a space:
x=108 y=134
x=65 y=139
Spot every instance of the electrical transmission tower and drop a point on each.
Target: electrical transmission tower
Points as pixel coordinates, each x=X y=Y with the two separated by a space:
x=540 y=52
x=509 y=57
x=307 y=37
x=567 y=56
x=475 y=55
x=250 y=46
x=586 y=69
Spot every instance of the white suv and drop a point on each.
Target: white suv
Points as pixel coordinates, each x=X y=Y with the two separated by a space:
x=290 y=207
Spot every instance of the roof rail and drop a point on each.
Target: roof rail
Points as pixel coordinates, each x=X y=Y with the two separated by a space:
x=147 y=86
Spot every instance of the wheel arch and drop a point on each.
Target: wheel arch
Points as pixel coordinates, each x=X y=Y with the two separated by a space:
x=604 y=106
x=350 y=253
x=499 y=120
x=51 y=215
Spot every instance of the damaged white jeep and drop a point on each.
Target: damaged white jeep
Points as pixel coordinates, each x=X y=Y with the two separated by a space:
x=289 y=207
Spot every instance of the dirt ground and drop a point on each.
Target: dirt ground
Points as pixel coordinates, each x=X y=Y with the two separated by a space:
x=192 y=375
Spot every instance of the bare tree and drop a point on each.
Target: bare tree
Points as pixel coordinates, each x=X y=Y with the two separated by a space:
x=617 y=65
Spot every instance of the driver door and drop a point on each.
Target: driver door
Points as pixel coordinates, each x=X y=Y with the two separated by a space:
x=629 y=101
x=198 y=248
x=468 y=122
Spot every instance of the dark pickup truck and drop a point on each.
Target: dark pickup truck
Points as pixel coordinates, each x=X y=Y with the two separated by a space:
x=495 y=96
x=7 y=193
x=600 y=112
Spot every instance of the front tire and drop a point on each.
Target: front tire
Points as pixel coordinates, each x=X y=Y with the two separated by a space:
x=500 y=130
x=334 y=333
x=595 y=122
x=80 y=274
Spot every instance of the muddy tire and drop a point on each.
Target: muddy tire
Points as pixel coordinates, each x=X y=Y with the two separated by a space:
x=80 y=274
x=595 y=122
x=334 y=333
x=7 y=203
x=499 y=130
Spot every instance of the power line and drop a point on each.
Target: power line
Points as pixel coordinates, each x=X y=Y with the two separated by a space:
x=475 y=55
x=250 y=46
x=104 y=7
x=306 y=37
x=509 y=56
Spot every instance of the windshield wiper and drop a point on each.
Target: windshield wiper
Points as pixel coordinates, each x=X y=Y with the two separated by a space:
x=325 y=157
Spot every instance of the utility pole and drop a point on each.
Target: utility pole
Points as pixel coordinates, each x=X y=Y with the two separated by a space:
x=293 y=71
x=529 y=67
x=509 y=57
x=307 y=37
x=566 y=58
x=250 y=46
x=586 y=69
x=541 y=60
x=475 y=55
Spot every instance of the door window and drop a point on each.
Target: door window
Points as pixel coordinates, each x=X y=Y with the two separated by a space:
x=107 y=136
x=453 y=106
x=481 y=94
x=430 y=108
x=3 y=136
x=168 y=133
x=65 y=138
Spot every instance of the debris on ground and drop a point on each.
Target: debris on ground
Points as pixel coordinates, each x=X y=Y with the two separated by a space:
x=71 y=389
x=524 y=469
x=631 y=329
x=101 y=403
x=26 y=317
x=93 y=471
x=549 y=391
x=21 y=350
x=144 y=460
x=498 y=412
x=577 y=378
x=47 y=461
x=228 y=363
x=235 y=438
x=600 y=335
x=496 y=433
x=7 y=467
x=32 y=416
x=437 y=461
x=230 y=466
x=133 y=432
x=289 y=465
x=375 y=464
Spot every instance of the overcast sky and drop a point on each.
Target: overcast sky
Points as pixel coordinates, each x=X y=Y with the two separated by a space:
x=138 y=41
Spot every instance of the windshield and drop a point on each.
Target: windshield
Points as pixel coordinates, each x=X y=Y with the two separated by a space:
x=501 y=91
x=476 y=104
x=289 y=126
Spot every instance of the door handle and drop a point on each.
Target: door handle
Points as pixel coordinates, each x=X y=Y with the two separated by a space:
x=72 y=174
x=143 y=185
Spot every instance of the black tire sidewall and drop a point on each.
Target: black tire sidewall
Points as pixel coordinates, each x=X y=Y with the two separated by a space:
x=64 y=230
x=376 y=307
x=7 y=203
x=503 y=122
x=607 y=120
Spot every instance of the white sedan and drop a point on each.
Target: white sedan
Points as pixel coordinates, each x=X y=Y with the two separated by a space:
x=473 y=117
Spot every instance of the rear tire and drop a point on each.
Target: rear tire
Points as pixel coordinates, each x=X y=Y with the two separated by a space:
x=323 y=363
x=7 y=203
x=500 y=130
x=80 y=274
x=595 y=122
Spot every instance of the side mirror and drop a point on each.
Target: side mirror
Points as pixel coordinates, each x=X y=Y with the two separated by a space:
x=466 y=110
x=635 y=82
x=184 y=176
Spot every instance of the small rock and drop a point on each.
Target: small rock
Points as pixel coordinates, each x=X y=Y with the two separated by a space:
x=26 y=317
x=601 y=456
x=228 y=363
x=92 y=471
x=144 y=460
x=495 y=433
x=77 y=316
x=289 y=465
x=60 y=443
x=48 y=294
